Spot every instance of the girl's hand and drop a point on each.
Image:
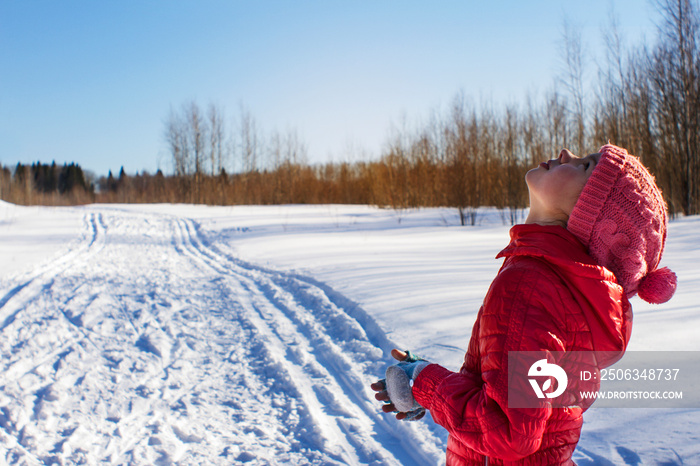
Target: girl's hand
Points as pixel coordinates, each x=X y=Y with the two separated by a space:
x=383 y=395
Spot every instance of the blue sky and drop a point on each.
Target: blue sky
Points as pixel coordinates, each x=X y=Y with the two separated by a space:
x=92 y=82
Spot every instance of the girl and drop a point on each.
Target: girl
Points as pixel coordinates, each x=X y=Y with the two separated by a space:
x=593 y=238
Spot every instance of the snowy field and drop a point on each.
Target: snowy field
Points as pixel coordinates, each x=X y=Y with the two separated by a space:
x=170 y=334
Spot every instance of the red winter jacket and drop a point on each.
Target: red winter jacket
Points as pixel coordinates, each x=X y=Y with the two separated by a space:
x=548 y=295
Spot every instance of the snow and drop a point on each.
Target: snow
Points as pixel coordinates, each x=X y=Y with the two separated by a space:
x=163 y=334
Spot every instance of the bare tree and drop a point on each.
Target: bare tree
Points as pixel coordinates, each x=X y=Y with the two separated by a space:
x=250 y=141
x=573 y=80
x=197 y=127
x=610 y=115
x=554 y=120
x=512 y=173
x=676 y=77
x=176 y=137
x=462 y=158
x=216 y=139
x=534 y=147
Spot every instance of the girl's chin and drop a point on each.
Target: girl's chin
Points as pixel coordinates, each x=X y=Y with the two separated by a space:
x=531 y=171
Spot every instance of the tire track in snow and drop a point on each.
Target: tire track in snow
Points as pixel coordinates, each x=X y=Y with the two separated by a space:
x=275 y=347
x=297 y=318
x=111 y=386
x=37 y=284
x=33 y=285
x=19 y=294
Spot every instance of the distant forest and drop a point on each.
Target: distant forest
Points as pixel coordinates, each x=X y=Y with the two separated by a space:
x=645 y=98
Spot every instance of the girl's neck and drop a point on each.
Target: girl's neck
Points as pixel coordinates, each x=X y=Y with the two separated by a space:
x=546 y=218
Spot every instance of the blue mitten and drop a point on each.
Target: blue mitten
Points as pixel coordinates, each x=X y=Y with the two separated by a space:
x=399 y=380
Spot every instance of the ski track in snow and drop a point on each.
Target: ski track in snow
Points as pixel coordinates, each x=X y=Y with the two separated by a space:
x=146 y=344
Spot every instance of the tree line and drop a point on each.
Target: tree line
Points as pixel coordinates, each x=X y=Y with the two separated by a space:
x=645 y=98
x=41 y=183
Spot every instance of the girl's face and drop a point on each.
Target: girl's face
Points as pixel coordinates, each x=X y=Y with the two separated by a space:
x=555 y=186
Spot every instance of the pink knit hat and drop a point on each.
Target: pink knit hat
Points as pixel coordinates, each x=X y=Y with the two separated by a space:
x=621 y=218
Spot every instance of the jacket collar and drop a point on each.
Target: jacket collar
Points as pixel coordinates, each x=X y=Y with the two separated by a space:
x=557 y=245
x=532 y=239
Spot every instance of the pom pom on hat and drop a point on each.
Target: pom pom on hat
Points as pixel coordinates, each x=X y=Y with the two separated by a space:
x=658 y=286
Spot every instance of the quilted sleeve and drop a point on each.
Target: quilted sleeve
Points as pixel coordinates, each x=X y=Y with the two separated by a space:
x=522 y=312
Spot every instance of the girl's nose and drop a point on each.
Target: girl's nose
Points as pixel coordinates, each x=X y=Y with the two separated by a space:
x=565 y=156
